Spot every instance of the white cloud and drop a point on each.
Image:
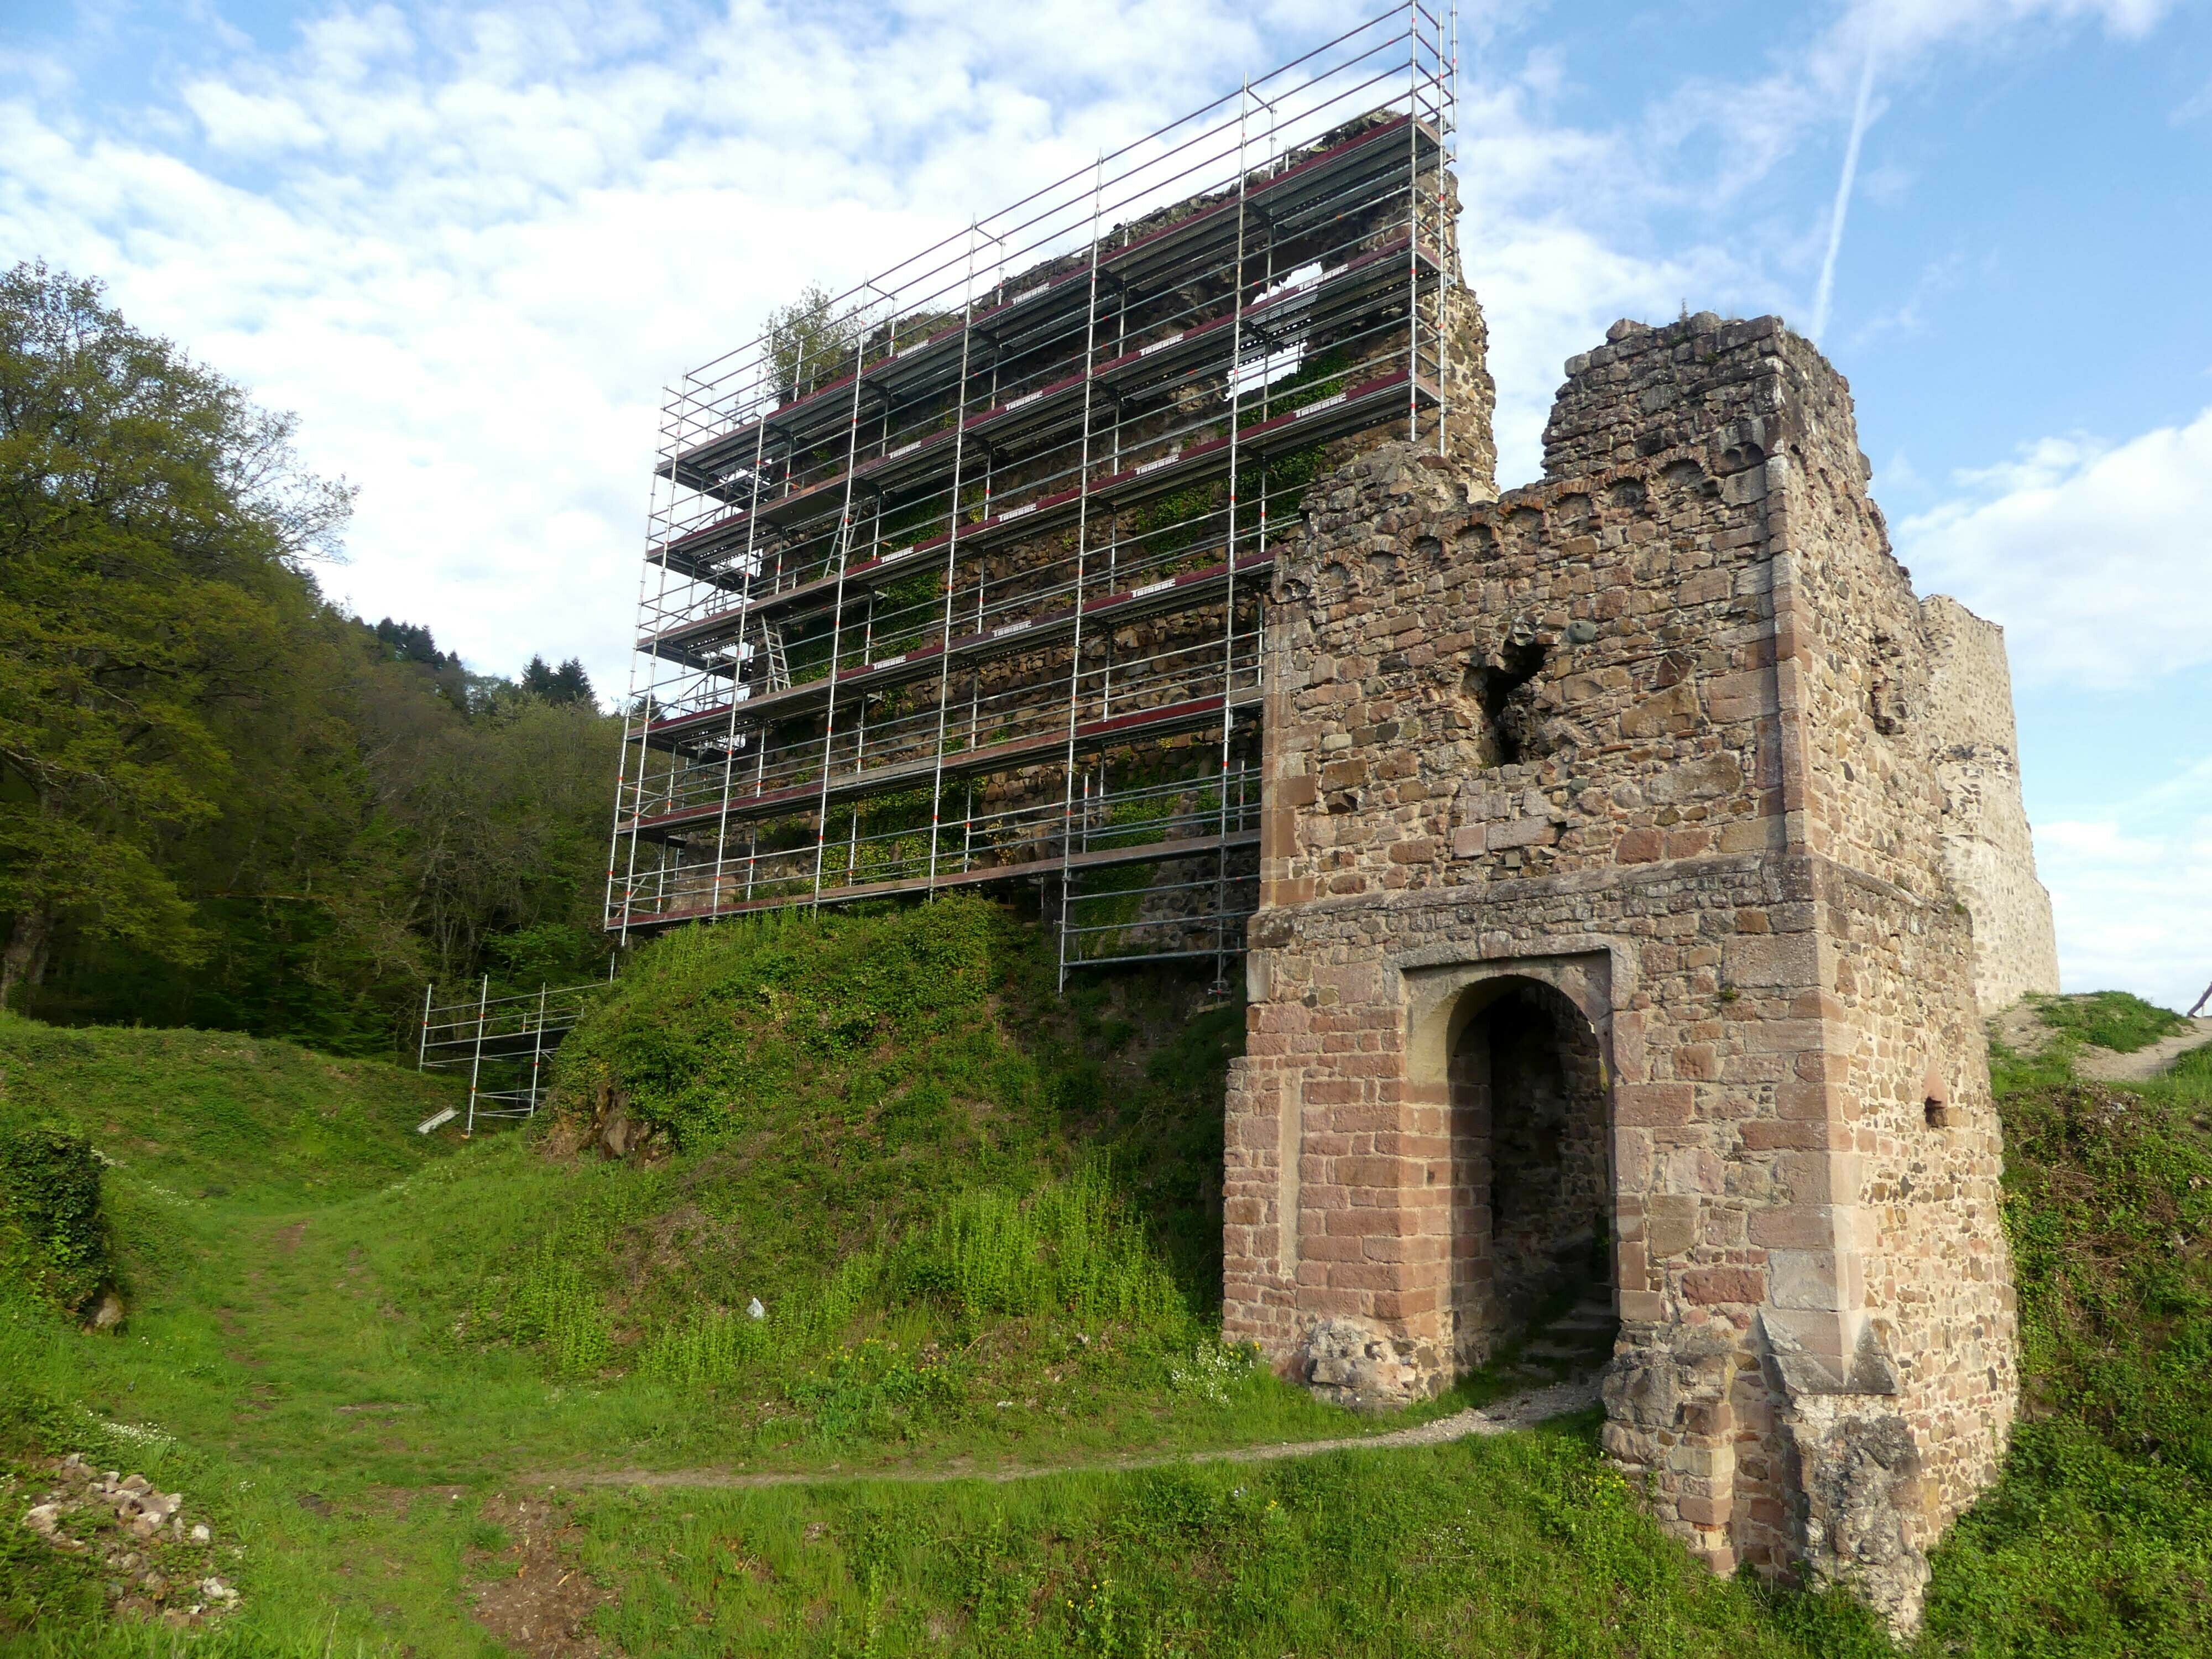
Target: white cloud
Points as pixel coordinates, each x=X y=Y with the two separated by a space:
x=470 y=243
x=1938 y=279
x=2132 y=892
x=1919 y=25
x=1819 y=85
x=244 y=122
x=2094 y=557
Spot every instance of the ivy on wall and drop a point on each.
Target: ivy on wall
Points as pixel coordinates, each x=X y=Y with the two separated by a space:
x=53 y=1232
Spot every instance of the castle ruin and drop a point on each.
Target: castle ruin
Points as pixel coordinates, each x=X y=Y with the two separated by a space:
x=1619 y=867
x=1646 y=804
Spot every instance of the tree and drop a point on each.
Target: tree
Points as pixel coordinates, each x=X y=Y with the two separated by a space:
x=223 y=801
x=569 y=684
x=501 y=818
x=152 y=526
x=411 y=642
x=809 y=340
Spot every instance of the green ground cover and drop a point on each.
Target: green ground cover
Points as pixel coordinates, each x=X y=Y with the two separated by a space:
x=2109 y=1019
x=983 y=1227
x=2099 y=1539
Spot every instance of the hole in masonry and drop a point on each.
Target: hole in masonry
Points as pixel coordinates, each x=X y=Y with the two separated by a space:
x=1509 y=708
x=1939 y=1114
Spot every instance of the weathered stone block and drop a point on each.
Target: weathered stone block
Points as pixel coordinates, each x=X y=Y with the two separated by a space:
x=1522 y=832
x=1725 y=1284
x=1772 y=959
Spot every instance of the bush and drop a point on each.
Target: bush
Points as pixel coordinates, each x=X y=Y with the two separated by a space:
x=1068 y=1248
x=52 y=1233
x=712 y=1031
x=874 y=1390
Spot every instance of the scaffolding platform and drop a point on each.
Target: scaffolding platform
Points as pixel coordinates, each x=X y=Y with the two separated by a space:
x=960 y=578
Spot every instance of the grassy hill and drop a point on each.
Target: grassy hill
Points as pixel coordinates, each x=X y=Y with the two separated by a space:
x=434 y=1397
x=2098 y=1541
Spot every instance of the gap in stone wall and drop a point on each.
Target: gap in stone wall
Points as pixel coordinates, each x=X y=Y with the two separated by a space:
x=1531 y=1187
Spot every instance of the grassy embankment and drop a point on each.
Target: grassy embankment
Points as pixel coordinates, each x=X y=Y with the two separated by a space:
x=350 y=1346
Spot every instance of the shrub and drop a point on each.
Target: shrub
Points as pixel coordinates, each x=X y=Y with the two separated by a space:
x=53 y=1232
x=874 y=1390
x=1068 y=1248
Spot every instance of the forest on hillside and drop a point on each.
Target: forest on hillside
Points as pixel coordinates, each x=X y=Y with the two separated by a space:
x=224 y=800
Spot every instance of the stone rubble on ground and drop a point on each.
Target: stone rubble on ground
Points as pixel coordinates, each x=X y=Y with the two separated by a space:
x=138 y=1533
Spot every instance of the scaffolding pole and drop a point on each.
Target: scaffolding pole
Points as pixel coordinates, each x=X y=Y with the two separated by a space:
x=475 y=1057
x=892 y=533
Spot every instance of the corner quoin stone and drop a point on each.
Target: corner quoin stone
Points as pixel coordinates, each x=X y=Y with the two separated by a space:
x=1666 y=747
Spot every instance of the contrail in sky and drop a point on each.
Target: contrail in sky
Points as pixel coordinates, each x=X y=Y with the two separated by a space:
x=1827 y=288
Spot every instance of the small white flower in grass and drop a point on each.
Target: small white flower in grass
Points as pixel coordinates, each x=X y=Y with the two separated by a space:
x=1212 y=1367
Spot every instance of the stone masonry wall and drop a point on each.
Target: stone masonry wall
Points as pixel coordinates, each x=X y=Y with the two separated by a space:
x=1656 y=734
x=1988 y=852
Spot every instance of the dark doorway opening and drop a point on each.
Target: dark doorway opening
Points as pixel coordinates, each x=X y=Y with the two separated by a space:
x=1532 y=1198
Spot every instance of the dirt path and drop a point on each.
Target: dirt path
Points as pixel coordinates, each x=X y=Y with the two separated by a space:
x=1519 y=1411
x=2021 y=1029
x=2106 y=1066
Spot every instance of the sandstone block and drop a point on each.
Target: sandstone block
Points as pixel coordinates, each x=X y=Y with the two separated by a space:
x=1522 y=832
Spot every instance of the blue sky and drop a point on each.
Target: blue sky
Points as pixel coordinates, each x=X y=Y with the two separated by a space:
x=469 y=242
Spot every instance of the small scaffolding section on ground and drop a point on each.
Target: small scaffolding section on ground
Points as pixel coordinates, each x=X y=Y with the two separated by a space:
x=958 y=580
x=503 y=1043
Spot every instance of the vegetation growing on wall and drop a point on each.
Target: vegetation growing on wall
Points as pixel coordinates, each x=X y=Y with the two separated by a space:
x=53 y=1234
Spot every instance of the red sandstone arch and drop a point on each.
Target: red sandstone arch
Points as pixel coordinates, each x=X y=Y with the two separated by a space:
x=1490 y=1264
x=1532 y=1202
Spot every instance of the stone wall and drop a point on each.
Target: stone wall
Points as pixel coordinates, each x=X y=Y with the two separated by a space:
x=1988 y=851
x=1656 y=741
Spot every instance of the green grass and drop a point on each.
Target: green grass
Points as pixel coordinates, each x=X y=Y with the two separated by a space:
x=203 y=1116
x=2109 y=1019
x=1526 y=1544
x=982 y=1227
x=889 y=1130
x=2098 y=1540
x=936 y=1199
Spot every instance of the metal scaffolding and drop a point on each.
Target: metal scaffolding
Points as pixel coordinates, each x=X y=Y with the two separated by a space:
x=503 y=1043
x=957 y=578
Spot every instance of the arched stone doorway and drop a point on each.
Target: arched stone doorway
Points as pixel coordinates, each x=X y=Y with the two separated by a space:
x=1532 y=1200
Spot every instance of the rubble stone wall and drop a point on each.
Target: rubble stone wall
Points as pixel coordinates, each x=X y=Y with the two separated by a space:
x=1660 y=735
x=1988 y=850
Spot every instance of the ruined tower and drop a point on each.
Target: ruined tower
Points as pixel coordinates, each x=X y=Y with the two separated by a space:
x=1627 y=839
x=1615 y=865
